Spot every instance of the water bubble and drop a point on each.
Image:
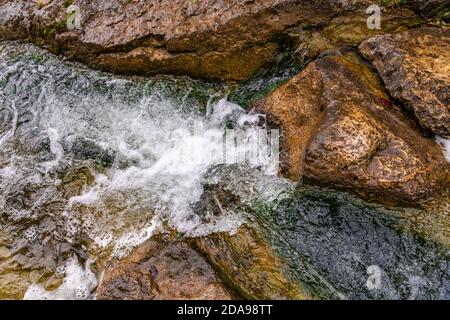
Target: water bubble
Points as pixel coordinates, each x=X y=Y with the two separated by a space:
x=60 y=272
x=31 y=233
x=82 y=292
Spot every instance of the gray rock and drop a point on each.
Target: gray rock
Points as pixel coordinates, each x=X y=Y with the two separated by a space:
x=415 y=68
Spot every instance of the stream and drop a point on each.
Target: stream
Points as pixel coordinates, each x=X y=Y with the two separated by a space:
x=92 y=165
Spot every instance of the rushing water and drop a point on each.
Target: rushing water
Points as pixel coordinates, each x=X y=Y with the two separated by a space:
x=92 y=165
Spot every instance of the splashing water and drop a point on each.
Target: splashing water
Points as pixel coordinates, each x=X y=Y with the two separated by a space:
x=92 y=165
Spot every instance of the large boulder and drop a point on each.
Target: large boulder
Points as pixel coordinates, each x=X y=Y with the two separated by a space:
x=340 y=128
x=415 y=66
x=162 y=269
x=347 y=30
x=250 y=266
x=228 y=40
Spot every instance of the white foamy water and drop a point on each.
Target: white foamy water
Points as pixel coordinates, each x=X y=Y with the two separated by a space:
x=445 y=144
x=172 y=154
x=159 y=141
x=79 y=283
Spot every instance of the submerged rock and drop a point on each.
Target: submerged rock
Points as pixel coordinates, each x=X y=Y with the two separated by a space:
x=161 y=269
x=340 y=128
x=415 y=66
x=34 y=227
x=331 y=244
x=351 y=243
x=57 y=119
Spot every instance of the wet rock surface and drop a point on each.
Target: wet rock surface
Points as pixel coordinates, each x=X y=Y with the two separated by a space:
x=162 y=269
x=33 y=225
x=348 y=241
x=415 y=68
x=227 y=40
x=250 y=266
x=339 y=127
x=95 y=201
x=247 y=259
x=85 y=149
x=52 y=160
x=330 y=242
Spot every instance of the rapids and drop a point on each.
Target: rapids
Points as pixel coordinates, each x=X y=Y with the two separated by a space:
x=91 y=165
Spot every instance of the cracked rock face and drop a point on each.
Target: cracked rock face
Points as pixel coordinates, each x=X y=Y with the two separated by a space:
x=226 y=40
x=415 y=66
x=340 y=128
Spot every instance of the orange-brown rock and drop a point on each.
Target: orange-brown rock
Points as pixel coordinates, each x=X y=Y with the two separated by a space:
x=227 y=40
x=162 y=270
x=415 y=66
x=428 y=8
x=340 y=128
